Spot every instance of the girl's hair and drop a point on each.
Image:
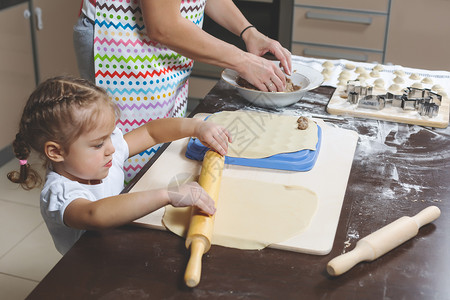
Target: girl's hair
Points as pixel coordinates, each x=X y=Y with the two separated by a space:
x=59 y=110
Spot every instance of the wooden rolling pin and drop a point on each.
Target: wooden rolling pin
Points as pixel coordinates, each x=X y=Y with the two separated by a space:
x=383 y=240
x=201 y=225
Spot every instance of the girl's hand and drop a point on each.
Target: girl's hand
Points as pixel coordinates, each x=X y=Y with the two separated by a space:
x=191 y=194
x=213 y=136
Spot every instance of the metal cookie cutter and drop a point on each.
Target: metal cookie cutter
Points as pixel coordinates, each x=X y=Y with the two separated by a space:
x=355 y=91
x=372 y=102
x=393 y=100
x=428 y=109
x=424 y=101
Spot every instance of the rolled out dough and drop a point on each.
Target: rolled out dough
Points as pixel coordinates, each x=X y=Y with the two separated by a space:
x=259 y=135
x=252 y=214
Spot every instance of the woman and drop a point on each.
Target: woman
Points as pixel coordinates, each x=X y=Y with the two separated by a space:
x=144 y=52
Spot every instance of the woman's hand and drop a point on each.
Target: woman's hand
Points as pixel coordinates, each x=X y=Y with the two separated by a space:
x=213 y=136
x=191 y=194
x=262 y=73
x=265 y=76
x=259 y=44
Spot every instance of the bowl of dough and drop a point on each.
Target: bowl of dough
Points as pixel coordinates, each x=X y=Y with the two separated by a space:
x=303 y=79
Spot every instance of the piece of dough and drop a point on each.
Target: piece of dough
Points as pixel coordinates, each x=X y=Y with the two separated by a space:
x=328 y=64
x=343 y=82
x=400 y=73
x=399 y=79
x=259 y=135
x=252 y=214
x=414 y=76
x=375 y=73
x=394 y=88
x=363 y=76
x=379 y=83
x=327 y=72
x=417 y=85
x=360 y=70
x=378 y=67
x=427 y=80
x=349 y=66
x=345 y=74
x=437 y=87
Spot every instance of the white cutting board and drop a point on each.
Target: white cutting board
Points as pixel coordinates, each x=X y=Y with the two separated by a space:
x=328 y=179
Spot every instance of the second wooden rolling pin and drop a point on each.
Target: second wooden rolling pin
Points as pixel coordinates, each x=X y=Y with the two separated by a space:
x=201 y=225
x=383 y=240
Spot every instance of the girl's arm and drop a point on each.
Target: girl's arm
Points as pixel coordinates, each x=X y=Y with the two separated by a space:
x=125 y=208
x=166 y=25
x=171 y=129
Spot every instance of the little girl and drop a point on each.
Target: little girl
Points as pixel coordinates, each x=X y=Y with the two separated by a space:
x=72 y=124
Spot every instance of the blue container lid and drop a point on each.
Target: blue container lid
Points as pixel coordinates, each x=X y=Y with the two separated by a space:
x=303 y=160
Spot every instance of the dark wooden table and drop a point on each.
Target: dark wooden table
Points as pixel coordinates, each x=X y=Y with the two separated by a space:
x=398 y=170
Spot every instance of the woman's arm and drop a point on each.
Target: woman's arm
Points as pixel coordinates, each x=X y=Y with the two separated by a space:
x=171 y=129
x=165 y=24
x=226 y=14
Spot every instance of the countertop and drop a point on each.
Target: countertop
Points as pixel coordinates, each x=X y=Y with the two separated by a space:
x=397 y=171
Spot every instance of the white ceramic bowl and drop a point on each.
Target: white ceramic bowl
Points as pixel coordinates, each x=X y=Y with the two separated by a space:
x=306 y=77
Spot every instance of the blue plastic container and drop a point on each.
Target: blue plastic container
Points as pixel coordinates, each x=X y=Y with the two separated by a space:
x=303 y=160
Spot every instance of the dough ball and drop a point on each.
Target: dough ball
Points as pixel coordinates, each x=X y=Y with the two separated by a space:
x=399 y=79
x=302 y=123
x=427 y=80
x=417 y=85
x=378 y=68
x=360 y=70
x=414 y=76
x=345 y=75
x=363 y=76
x=326 y=71
x=379 y=83
x=343 y=82
x=394 y=88
x=349 y=66
x=437 y=87
x=375 y=73
x=328 y=64
x=400 y=73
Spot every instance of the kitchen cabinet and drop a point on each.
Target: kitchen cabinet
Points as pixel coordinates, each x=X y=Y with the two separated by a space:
x=413 y=33
x=350 y=29
x=419 y=34
x=16 y=69
x=55 y=39
x=53 y=51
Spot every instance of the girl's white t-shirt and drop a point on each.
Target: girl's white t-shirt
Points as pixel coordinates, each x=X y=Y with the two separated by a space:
x=59 y=192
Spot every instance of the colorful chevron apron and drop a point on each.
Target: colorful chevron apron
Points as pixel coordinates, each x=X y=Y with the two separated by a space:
x=146 y=79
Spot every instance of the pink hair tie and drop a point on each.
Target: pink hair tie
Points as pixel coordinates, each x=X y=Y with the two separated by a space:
x=23 y=162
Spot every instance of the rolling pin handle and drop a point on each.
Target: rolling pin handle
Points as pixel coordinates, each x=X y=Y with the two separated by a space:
x=427 y=215
x=194 y=266
x=342 y=263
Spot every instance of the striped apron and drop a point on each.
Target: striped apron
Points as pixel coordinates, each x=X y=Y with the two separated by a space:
x=145 y=79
